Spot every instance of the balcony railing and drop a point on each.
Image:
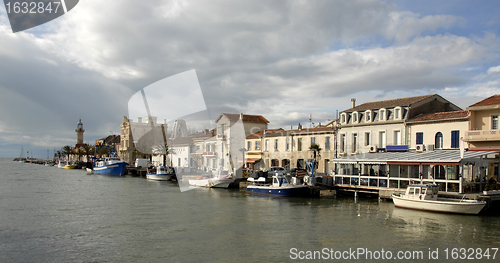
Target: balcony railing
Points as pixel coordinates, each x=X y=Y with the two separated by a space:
x=482 y=135
x=208 y=153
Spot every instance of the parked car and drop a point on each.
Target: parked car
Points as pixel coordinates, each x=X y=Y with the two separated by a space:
x=275 y=170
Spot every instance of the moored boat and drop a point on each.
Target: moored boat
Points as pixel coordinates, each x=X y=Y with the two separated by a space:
x=70 y=166
x=220 y=180
x=425 y=197
x=162 y=173
x=282 y=185
x=110 y=166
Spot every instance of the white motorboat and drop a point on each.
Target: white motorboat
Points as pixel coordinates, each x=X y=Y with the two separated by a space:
x=162 y=173
x=61 y=164
x=425 y=197
x=219 y=180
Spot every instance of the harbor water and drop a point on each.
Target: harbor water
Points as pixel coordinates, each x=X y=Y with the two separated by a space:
x=57 y=215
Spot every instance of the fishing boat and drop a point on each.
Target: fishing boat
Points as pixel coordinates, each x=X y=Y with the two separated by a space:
x=425 y=197
x=162 y=173
x=220 y=179
x=282 y=185
x=110 y=166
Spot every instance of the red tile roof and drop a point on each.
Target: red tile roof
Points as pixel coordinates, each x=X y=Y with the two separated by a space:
x=390 y=103
x=493 y=100
x=441 y=116
x=246 y=118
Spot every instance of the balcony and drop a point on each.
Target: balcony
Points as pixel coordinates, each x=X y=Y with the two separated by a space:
x=208 y=154
x=482 y=135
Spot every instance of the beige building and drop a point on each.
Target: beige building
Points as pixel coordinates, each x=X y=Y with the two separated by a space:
x=291 y=148
x=484 y=132
x=484 y=129
x=374 y=125
x=440 y=130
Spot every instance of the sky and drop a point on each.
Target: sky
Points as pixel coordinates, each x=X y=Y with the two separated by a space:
x=285 y=60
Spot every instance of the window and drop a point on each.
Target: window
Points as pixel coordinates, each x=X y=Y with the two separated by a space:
x=267 y=145
x=287 y=143
x=299 y=144
x=249 y=145
x=455 y=139
x=342 y=143
x=275 y=144
x=439 y=141
x=367 y=138
x=354 y=142
x=313 y=140
x=420 y=138
x=494 y=122
x=381 y=139
x=382 y=115
x=397 y=113
x=397 y=137
x=354 y=117
x=257 y=145
x=368 y=116
x=327 y=143
x=342 y=118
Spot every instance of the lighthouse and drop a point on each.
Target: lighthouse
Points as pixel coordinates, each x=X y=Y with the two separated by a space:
x=79 y=133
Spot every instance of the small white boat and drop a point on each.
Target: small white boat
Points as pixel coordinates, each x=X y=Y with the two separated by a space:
x=220 y=180
x=61 y=164
x=282 y=185
x=425 y=197
x=162 y=174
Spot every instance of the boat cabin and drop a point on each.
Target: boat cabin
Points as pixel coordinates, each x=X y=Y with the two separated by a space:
x=422 y=192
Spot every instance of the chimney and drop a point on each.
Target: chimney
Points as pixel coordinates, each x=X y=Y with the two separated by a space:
x=241 y=116
x=139 y=120
x=353 y=102
x=300 y=127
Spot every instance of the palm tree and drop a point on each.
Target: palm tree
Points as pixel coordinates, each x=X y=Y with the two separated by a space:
x=67 y=150
x=316 y=150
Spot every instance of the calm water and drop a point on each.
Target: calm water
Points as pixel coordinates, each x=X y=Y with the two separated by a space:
x=56 y=215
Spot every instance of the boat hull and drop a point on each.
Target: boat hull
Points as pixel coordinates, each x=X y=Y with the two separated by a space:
x=159 y=177
x=458 y=207
x=70 y=166
x=212 y=182
x=111 y=169
x=297 y=190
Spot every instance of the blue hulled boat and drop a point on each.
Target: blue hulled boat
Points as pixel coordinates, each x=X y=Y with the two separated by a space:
x=281 y=185
x=110 y=166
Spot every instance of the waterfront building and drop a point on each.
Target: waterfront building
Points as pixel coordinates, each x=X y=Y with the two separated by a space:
x=433 y=148
x=440 y=130
x=484 y=132
x=231 y=131
x=142 y=139
x=374 y=125
x=291 y=148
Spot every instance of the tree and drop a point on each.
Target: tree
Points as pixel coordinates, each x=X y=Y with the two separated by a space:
x=67 y=150
x=316 y=150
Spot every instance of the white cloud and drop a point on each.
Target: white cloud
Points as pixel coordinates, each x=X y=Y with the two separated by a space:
x=494 y=70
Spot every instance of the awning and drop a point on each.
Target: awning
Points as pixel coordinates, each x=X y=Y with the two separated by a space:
x=252 y=160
